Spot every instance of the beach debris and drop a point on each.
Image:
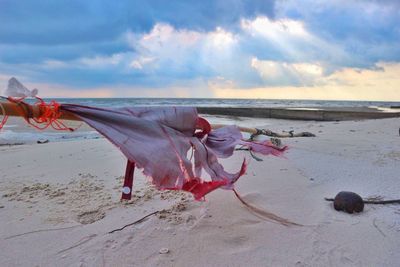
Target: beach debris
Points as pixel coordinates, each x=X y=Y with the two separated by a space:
x=150 y=135
x=16 y=89
x=351 y=202
x=135 y=222
x=163 y=251
x=263 y=214
x=273 y=140
x=155 y=139
x=284 y=134
x=276 y=142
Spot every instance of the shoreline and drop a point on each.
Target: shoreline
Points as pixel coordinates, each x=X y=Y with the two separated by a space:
x=303 y=113
x=18 y=132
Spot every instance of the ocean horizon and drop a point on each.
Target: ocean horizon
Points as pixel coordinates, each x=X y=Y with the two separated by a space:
x=221 y=102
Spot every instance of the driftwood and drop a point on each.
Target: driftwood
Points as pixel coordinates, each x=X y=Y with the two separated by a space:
x=265 y=214
x=256 y=132
x=280 y=135
x=351 y=202
x=135 y=222
x=274 y=136
x=378 y=202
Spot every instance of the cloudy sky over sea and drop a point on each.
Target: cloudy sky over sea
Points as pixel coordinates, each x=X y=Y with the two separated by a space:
x=312 y=49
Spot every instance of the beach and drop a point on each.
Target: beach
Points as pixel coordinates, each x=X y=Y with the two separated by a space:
x=60 y=201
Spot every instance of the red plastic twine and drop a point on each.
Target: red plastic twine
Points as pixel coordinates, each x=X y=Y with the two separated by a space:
x=49 y=114
x=5 y=116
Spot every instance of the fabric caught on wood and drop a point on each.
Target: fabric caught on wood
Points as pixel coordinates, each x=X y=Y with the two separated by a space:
x=158 y=139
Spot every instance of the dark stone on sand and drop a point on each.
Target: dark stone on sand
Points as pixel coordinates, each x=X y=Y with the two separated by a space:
x=349 y=202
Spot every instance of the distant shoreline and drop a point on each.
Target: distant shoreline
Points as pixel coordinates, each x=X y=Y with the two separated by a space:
x=221 y=102
x=303 y=113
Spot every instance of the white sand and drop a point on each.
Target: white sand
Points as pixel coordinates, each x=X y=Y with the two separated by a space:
x=59 y=200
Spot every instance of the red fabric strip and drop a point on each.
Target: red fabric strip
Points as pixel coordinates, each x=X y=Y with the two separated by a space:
x=128 y=182
x=201 y=188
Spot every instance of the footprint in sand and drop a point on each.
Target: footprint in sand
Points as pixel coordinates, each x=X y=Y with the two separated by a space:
x=88 y=217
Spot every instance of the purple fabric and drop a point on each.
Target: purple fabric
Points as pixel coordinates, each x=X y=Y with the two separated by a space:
x=223 y=141
x=158 y=139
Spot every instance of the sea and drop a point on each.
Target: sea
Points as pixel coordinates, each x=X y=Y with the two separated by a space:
x=220 y=102
x=17 y=132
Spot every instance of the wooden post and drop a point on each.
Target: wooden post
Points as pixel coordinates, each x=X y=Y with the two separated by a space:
x=33 y=111
x=22 y=109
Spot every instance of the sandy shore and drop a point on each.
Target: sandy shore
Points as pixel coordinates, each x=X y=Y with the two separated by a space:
x=59 y=201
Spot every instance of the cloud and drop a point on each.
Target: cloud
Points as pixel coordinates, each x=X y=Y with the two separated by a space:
x=56 y=90
x=379 y=84
x=99 y=61
x=141 y=62
x=287 y=74
x=289 y=40
x=32 y=32
x=161 y=48
x=285 y=54
x=71 y=22
x=36 y=53
x=163 y=56
x=171 y=54
x=369 y=31
x=164 y=49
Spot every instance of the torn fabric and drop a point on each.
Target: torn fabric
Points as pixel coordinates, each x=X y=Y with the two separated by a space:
x=158 y=139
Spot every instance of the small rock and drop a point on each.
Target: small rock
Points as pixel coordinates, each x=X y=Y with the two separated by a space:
x=349 y=202
x=1 y=206
x=164 y=251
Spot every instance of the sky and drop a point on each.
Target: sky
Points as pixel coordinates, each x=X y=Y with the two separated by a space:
x=274 y=49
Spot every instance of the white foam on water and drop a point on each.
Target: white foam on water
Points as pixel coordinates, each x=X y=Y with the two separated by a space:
x=384 y=109
x=315 y=109
x=10 y=126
